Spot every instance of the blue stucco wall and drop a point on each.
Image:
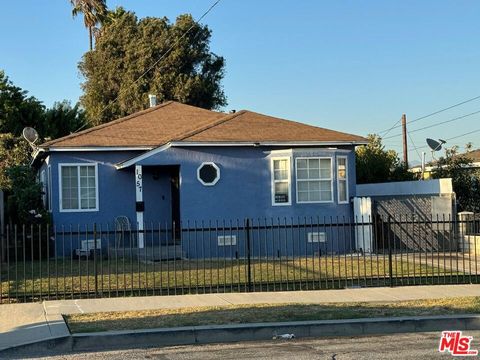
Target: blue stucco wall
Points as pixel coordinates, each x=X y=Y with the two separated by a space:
x=243 y=191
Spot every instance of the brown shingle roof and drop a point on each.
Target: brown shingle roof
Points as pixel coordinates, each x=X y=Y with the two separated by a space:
x=248 y=126
x=473 y=155
x=173 y=121
x=152 y=127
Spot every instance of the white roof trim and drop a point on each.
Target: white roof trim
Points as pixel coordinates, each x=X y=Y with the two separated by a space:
x=157 y=150
x=141 y=157
x=268 y=143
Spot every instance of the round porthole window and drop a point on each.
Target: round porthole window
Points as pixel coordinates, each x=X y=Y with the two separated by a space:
x=208 y=173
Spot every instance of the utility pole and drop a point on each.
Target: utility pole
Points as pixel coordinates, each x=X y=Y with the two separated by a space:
x=404 y=137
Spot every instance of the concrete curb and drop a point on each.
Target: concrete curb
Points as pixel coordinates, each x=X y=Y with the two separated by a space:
x=115 y=340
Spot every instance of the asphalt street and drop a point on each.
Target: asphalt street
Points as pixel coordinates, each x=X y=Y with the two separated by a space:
x=399 y=346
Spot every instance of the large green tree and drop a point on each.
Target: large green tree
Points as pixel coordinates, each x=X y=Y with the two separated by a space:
x=374 y=164
x=17 y=109
x=128 y=48
x=63 y=119
x=465 y=178
x=94 y=11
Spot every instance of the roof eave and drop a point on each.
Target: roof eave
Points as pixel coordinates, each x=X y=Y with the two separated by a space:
x=128 y=163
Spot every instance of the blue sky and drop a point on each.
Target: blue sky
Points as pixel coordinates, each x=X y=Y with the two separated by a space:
x=353 y=66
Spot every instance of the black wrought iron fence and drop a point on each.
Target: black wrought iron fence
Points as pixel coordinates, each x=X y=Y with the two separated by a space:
x=88 y=261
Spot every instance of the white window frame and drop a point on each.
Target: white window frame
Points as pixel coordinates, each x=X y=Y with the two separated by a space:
x=273 y=181
x=216 y=179
x=227 y=240
x=50 y=188
x=78 y=165
x=346 y=180
x=331 y=179
x=317 y=237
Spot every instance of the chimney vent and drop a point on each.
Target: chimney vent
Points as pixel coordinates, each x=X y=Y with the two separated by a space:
x=153 y=100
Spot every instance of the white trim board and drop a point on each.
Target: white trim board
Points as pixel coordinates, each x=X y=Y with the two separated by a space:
x=60 y=207
x=273 y=181
x=347 y=198
x=159 y=149
x=320 y=179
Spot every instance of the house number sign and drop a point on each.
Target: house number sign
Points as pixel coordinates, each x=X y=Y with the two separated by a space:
x=138 y=181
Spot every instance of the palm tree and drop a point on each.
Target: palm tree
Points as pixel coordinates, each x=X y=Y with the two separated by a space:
x=94 y=11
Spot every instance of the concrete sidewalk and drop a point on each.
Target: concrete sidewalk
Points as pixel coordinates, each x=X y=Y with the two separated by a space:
x=29 y=323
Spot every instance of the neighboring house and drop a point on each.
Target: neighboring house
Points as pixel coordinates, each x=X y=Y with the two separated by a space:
x=177 y=163
x=474 y=156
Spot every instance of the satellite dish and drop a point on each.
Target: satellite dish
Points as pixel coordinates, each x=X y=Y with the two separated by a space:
x=31 y=135
x=435 y=145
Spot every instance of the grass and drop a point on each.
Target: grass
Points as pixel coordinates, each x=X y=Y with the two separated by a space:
x=241 y=314
x=67 y=278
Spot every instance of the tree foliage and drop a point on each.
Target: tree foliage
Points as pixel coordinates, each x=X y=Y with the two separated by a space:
x=14 y=151
x=62 y=119
x=24 y=203
x=374 y=164
x=128 y=47
x=94 y=11
x=17 y=109
x=17 y=178
x=465 y=178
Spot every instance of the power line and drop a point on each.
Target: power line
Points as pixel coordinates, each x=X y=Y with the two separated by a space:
x=393 y=127
x=159 y=59
x=433 y=125
x=414 y=146
x=431 y=114
x=452 y=138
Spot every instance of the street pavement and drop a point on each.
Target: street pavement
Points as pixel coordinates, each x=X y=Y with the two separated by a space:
x=402 y=346
x=29 y=323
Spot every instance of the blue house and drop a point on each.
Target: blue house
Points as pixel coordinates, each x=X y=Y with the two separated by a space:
x=179 y=164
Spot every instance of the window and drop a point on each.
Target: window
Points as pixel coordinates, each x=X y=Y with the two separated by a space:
x=281 y=188
x=314 y=180
x=78 y=187
x=342 y=179
x=208 y=174
x=227 y=240
x=316 y=237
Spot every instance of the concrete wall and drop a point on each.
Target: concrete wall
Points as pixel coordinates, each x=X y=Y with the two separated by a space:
x=416 y=222
x=406 y=188
x=413 y=215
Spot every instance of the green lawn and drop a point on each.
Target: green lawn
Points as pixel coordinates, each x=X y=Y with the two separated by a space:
x=64 y=277
x=240 y=314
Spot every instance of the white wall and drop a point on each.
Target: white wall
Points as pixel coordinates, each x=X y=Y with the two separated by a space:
x=419 y=187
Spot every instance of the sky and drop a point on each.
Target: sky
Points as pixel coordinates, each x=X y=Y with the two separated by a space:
x=352 y=66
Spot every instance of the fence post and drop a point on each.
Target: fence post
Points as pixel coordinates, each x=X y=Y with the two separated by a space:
x=464 y=230
x=95 y=271
x=249 y=267
x=390 y=268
